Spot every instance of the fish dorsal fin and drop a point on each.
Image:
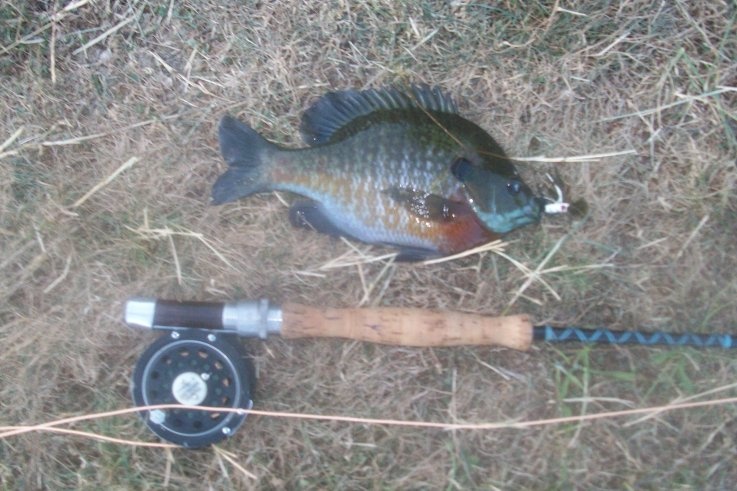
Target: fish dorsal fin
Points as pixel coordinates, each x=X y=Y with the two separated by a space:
x=335 y=110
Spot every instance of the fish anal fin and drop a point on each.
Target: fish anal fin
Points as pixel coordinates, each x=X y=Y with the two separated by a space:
x=309 y=215
x=415 y=254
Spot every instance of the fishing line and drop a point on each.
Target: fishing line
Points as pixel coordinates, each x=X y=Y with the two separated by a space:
x=52 y=426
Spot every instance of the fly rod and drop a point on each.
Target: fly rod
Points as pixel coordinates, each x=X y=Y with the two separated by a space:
x=200 y=363
x=389 y=325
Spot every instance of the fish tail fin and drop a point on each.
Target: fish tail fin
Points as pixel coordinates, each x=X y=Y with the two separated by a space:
x=246 y=153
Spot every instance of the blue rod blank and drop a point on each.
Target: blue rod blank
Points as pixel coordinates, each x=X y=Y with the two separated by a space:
x=569 y=334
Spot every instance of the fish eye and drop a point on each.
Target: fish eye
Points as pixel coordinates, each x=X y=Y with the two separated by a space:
x=514 y=186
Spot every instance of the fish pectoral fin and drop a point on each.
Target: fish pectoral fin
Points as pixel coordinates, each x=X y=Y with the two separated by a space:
x=309 y=215
x=428 y=206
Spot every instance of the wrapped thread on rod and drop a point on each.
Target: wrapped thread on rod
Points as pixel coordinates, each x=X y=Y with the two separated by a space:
x=552 y=334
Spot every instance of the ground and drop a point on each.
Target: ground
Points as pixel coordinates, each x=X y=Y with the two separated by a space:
x=108 y=152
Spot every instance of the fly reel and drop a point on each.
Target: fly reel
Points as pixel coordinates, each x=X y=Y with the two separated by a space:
x=193 y=367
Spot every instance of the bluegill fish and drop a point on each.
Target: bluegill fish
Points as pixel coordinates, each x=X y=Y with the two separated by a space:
x=392 y=167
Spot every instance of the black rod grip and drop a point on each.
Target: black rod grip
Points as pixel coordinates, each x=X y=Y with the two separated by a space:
x=201 y=315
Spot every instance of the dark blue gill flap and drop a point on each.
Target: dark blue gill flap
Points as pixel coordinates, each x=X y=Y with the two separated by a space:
x=335 y=110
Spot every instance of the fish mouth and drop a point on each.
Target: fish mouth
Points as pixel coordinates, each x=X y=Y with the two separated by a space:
x=531 y=212
x=504 y=222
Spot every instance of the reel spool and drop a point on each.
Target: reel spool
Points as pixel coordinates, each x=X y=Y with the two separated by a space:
x=194 y=368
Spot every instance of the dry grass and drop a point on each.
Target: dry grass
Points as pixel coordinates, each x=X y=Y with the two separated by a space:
x=138 y=87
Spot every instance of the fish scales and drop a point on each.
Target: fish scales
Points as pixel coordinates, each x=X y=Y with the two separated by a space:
x=348 y=181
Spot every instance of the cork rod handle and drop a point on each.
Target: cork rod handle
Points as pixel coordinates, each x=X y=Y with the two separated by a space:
x=407 y=327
